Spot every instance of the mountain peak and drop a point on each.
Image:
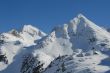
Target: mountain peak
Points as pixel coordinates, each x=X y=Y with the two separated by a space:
x=27 y=28
x=33 y=30
x=81 y=16
x=14 y=32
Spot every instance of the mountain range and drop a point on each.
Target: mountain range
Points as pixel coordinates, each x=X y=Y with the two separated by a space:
x=79 y=46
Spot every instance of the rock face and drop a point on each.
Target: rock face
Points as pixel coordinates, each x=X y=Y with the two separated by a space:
x=80 y=46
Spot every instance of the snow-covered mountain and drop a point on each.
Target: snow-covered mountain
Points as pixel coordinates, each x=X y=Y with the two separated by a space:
x=12 y=45
x=80 y=46
x=27 y=36
x=84 y=34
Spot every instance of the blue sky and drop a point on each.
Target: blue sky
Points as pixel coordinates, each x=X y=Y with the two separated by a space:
x=45 y=14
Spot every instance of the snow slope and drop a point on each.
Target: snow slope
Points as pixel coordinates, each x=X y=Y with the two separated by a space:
x=13 y=45
x=70 y=64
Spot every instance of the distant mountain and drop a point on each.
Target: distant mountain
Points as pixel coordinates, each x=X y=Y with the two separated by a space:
x=27 y=36
x=80 y=46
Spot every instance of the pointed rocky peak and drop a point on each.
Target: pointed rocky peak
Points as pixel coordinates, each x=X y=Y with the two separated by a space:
x=53 y=35
x=33 y=30
x=61 y=31
x=46 y=40
x=80 y=23
x=82 y=29
x=81 y=16
x=28 y=28
x=14 y=32
x=12 y=35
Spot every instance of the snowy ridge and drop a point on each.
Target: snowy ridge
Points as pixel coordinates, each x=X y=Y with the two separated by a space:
x=32 y=30
x=27 y=36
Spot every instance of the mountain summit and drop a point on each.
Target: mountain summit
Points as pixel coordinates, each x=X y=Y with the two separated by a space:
x=26 y=36
x=84 y=34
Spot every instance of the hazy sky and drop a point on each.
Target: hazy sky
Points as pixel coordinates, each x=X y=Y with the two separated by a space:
x=45 y=14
